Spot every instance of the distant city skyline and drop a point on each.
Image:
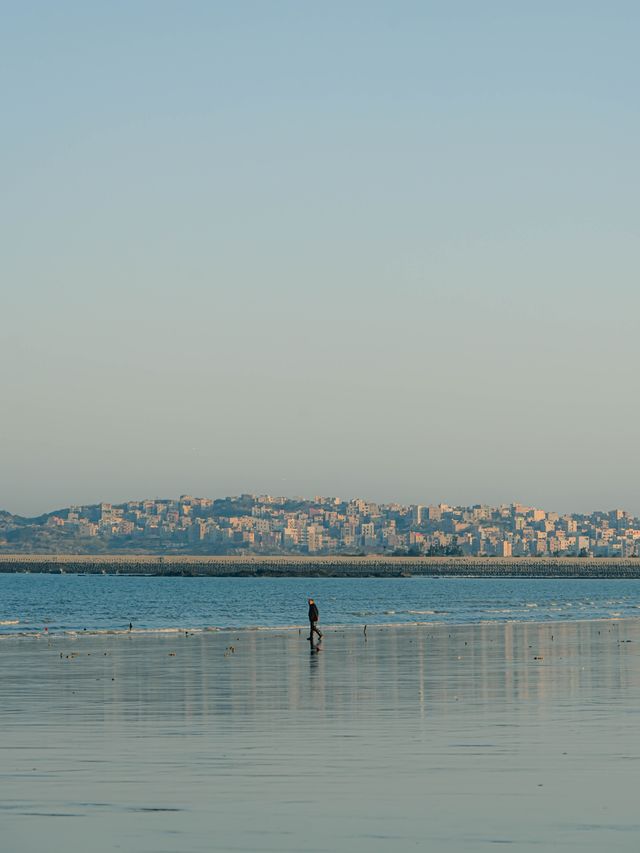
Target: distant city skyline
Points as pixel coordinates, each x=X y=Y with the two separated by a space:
x=321 y=525
x=222 y=495
x=367 y=248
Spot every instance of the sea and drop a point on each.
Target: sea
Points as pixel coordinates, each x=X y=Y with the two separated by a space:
x=35 y=604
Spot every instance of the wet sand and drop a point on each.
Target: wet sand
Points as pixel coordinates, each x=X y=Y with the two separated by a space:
x=452 y=739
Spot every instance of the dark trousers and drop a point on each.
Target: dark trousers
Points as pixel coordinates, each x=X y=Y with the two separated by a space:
x=313 y=627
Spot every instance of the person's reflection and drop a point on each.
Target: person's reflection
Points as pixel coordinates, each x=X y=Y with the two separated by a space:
x=314 y=650
x=316 y=680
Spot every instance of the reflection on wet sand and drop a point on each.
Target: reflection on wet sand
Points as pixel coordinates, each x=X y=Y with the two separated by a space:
x=518 y=733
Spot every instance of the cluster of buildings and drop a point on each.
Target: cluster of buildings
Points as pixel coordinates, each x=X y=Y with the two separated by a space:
x=265 y=524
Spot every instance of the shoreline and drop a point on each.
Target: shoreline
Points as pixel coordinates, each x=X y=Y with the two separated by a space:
x=290 y=630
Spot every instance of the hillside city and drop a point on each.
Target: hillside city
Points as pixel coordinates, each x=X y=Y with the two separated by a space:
x=263 y=524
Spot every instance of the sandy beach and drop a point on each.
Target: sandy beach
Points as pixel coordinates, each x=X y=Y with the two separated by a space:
x=449 y=738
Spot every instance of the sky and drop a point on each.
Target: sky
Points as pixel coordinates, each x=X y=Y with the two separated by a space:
x=385 y=249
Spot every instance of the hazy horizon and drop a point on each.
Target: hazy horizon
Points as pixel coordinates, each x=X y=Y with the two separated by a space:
x=378 y=249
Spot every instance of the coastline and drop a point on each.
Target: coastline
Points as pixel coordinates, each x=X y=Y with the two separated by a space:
x=325 y=566
x=297 y=629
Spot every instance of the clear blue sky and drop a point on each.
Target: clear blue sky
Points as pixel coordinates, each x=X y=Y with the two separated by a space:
x=375 y=248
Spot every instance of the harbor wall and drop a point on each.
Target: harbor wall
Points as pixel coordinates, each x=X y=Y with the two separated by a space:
x=291 y=566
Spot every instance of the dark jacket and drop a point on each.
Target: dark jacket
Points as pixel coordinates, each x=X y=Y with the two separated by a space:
x=313 y=613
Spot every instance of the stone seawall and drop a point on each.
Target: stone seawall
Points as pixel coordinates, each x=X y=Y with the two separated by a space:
x=541 y=567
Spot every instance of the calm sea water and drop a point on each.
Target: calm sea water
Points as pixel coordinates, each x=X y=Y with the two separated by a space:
x=31 y=602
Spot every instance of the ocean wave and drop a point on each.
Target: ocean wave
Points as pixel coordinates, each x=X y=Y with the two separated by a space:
x=9 y=621
x=362 y=613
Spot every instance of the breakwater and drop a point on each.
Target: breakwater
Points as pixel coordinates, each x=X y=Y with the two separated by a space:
x=291 y=566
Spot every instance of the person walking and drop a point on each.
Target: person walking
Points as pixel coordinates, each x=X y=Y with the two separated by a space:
x=314 y=615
